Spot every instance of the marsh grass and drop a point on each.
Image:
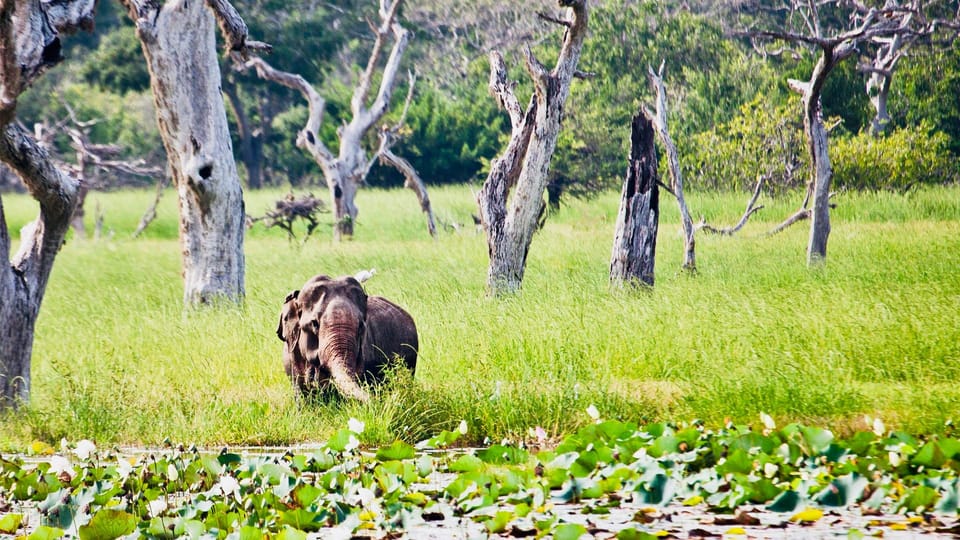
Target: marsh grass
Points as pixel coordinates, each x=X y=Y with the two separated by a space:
x=877 y=331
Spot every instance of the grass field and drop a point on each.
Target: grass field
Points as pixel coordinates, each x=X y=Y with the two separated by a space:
x=119 y=360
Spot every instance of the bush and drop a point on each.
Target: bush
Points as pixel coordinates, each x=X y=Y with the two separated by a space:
x=762 y=139
x=905 y=157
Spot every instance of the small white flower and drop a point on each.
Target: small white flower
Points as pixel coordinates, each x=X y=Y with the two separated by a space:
x=84 y=449
x=355 y=426
x=172 y=473
x=228 y=485
x=894 y=458
x=124 y=467
x=593 y=412
x=157 y=506
x=540 y=433
x=365 y=496
x=878 y=428
x=769 y=469
x=462 y=428
x=60 y=465
x=767 y=421
x=352 y=443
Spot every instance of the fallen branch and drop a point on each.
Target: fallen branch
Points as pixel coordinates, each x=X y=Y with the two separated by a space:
x=751 y=209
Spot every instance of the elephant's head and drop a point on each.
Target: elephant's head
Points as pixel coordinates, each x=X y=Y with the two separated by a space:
x=332 y=314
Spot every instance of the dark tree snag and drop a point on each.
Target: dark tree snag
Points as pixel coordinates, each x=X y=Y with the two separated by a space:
x=868 y=23
x=673 y=161
x=179 y=42
x=635 y=237
x=525 y=162
x=29 y=43
x=346 y=171
x=752 y=207
x=290 y=209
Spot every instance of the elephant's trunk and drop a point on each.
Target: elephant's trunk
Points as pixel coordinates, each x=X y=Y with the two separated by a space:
x=340 y=352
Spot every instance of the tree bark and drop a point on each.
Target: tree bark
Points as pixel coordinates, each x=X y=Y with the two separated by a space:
x=526 y=160
x=635 y=236
x=178 y=41
x=29 y=43
x=673 y=161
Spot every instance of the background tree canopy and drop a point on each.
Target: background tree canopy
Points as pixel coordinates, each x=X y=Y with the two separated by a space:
x=731 y=113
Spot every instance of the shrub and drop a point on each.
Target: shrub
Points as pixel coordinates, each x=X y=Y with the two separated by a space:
x=897 y=161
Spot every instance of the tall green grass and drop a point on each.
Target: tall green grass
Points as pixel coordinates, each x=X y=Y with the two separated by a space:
x=877 y=331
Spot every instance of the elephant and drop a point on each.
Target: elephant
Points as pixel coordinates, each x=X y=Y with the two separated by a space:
x=332 y=332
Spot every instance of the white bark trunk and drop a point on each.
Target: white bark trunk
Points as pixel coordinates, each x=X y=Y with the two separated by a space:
x=23 y=281
x=819 y=157
x=526 y=160
x=29 y=43
x=673 y=162
x=178 y=40
x=635 y=236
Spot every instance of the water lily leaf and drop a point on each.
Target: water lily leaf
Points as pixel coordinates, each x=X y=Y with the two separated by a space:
x=306 y=494
x=500 y=455
x=248 y=532
x=499 y=522
x=930 y=455
x=737 y=462
x=108 y=524
x=569 y=531
x=399 y=450
x=9 y=523
x=45 y=533
x=920 y=497
x=665 y=444
x=809 y=515
x=289 y=533
x=466 y=463
x=950 y=499
x=843 y=491
x=304 y=520
x=693 y=501
x=342 y=440
x=229 y=459
x=786 y=502
x=635 y=534
x=950 y=447
x=816 y=440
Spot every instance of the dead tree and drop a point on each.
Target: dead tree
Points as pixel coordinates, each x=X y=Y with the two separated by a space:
x=29 y=43
x=833 y=47
x=921 y=28
x=178 y=39
x=345 y=172
x=673 y=162
x=635 y=237
x=525 y=162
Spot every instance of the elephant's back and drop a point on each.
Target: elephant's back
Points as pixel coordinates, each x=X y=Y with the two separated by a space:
x=391 y=331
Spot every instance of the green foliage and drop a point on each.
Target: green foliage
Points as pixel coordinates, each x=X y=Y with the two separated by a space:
x=924 y=90
x=762 y=140
x=901 y=159
x=117 y=64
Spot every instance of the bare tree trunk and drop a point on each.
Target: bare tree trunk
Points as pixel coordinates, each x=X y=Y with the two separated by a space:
x=673 y=161
x=526 y=160
x=178 y=40
x=819 y=157
x=29 y=43
x=635 y=236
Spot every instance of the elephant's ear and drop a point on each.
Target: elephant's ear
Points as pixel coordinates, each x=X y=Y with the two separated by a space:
x=289 y=305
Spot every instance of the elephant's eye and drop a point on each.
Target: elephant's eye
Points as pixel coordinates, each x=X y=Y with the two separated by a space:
x=315 y=325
